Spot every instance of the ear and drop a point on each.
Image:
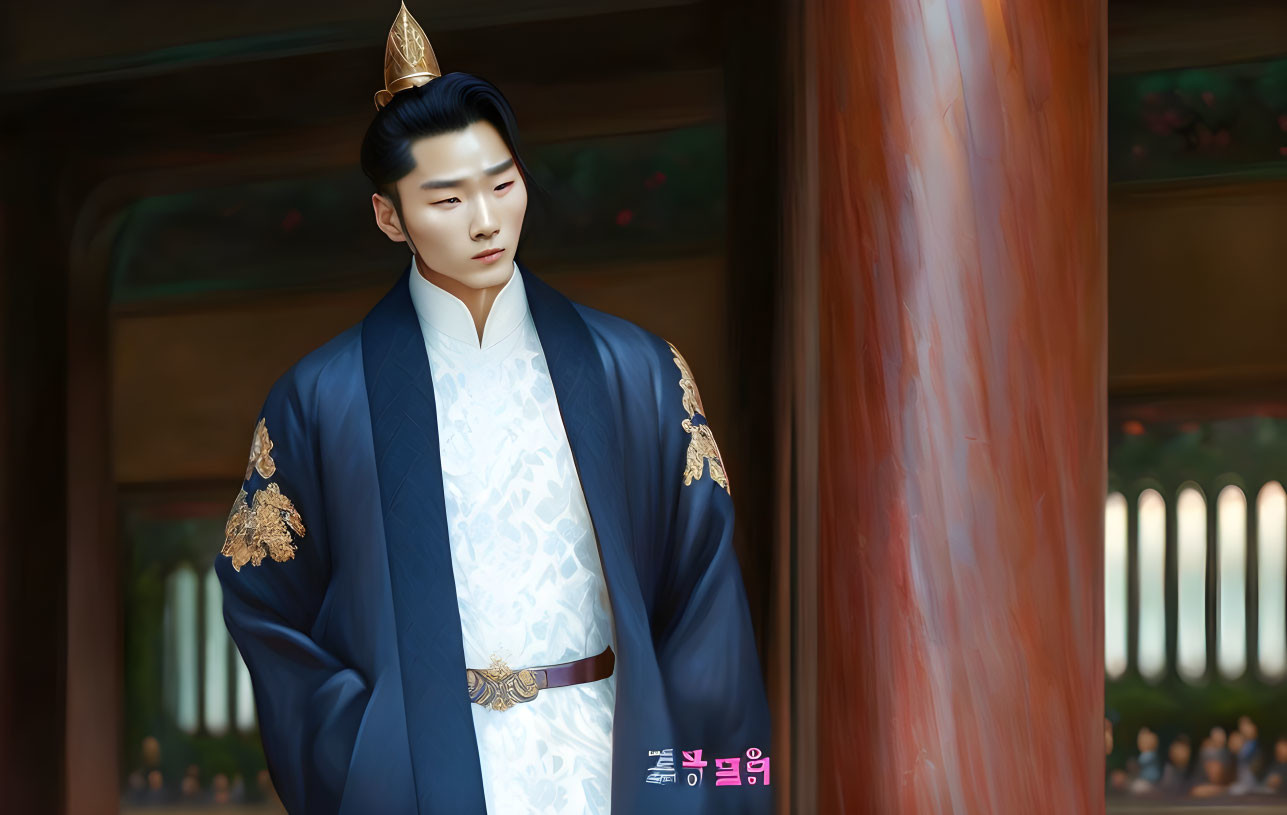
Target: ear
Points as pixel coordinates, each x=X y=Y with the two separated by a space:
x=386 y=218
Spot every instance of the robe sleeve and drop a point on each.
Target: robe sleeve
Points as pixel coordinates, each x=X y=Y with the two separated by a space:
x=703 y=636
x=274 y=570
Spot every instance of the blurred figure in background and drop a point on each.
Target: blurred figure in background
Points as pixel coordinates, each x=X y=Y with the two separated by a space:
x=156 y=793
x=265 y=784
x=1213 y=784
x=151 y=750
x=1150 y=763
x=141 y=787
x=1246 y=764
x=1175 y=777
x=1249 y=733
x=219 y=792
x=1250 y=754
x=1215 y=749
x=190 y=787
x=1118 y=780
x=1220 y=742
x=135 y=787
x=1276 y=776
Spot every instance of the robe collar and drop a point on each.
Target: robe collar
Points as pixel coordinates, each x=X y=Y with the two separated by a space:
x=439 y=310
x=404 y=431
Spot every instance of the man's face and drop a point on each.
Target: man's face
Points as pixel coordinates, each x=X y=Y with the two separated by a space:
x=464 y=198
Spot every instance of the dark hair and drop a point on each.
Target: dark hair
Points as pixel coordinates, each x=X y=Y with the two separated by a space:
x=449 y=103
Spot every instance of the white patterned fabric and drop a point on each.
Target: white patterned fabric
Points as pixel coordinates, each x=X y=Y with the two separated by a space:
x=529 y=581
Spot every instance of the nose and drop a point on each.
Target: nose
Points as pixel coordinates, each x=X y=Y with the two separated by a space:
x=485 y=222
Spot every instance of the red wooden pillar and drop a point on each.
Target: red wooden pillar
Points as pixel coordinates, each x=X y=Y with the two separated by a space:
x=961 y=449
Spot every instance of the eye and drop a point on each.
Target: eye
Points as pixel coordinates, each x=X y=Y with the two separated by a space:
x=448 y=201
x=506 y=184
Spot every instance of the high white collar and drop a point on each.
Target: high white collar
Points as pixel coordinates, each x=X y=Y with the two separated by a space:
x=446 y=313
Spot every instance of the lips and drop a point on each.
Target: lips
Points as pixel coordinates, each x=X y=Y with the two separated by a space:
x=489 y=253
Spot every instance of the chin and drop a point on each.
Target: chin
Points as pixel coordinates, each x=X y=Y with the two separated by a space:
x=470 y=274
x=485 y=276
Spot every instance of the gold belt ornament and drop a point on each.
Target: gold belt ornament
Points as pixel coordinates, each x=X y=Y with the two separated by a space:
x=500 y=688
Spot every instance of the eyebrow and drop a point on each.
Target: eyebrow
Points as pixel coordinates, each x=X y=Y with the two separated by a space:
x=433 y=184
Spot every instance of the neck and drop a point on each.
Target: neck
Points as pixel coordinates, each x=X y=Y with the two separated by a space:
x=478 y=301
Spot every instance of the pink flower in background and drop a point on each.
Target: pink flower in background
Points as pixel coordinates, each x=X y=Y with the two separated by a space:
x=292 y=219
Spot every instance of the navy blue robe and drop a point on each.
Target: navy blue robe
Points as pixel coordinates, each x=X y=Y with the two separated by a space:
x=354 y=642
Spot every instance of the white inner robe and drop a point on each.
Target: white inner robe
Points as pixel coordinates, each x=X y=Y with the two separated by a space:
x=529 y=581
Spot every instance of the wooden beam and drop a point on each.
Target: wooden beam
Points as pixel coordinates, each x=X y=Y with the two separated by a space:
x=1195 y=291
x=57 y=45
x=1153 y=35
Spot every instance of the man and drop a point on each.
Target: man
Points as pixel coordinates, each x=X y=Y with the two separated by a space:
x=482 y=557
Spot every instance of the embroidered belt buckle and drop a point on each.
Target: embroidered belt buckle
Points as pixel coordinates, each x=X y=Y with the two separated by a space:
x=500 y=687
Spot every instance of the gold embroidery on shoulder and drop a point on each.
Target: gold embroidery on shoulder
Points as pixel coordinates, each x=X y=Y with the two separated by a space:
x=260 y=446
x=702 y=448
x=262 y=528
x=701 y=444
x=692 y=399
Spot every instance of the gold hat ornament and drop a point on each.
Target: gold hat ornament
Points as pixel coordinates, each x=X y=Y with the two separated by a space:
x=408 y=58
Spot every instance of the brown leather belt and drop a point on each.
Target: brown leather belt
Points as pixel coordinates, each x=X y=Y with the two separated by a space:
x=500 y=687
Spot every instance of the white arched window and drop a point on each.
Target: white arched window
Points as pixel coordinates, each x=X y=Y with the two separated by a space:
x=1115 y=585
x=1231 y=619
x=216 y=653
x=1191 y=589
x=245 y=695
x=183 y=646
x=1151 y=647
x=1271 y=555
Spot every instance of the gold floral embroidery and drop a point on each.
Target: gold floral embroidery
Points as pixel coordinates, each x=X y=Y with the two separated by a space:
x=692 y=399
x=701 y=445
x=702 y=448
x=260 y=446
x=262 y=528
